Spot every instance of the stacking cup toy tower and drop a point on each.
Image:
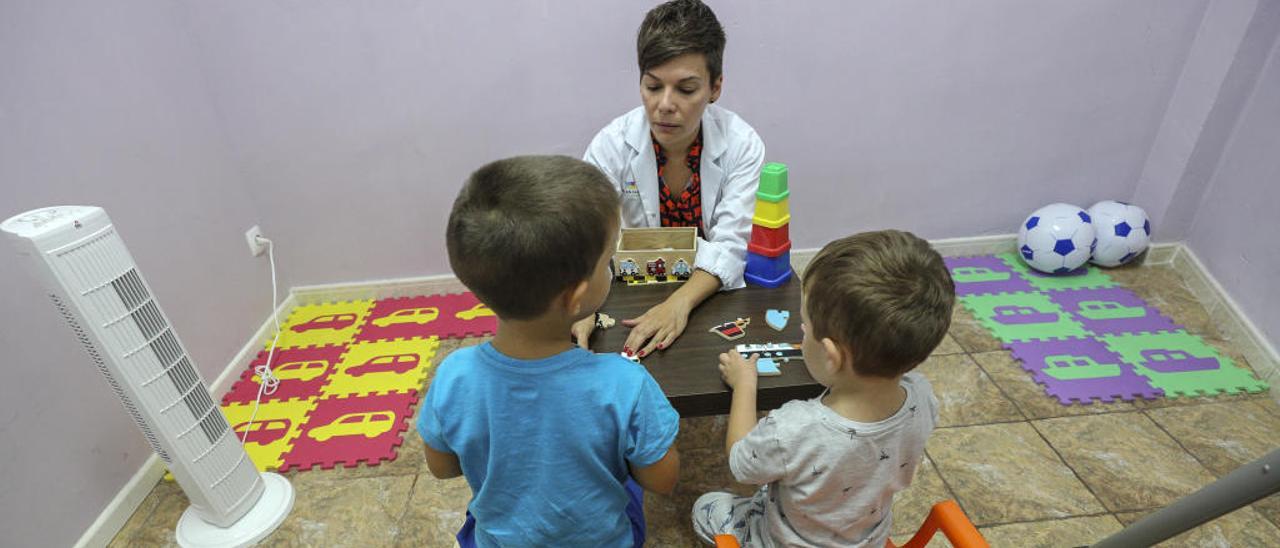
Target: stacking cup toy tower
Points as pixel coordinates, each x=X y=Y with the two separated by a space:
x=769 y=253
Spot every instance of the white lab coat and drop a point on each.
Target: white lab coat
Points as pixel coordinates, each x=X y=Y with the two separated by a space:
x=732 y=154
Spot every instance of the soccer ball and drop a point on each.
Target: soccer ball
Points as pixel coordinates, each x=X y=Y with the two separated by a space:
x=1123 y=230
x=1057 y=238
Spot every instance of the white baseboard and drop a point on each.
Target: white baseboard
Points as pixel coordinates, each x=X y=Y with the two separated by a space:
x=1162 y=253
x=118 y=511
x=988 y=245
x=1227 y=315
x=447 y=283
x=126 y=502
x=948 y=247
x=978 y=245
x=800 y=258
x=377 y=289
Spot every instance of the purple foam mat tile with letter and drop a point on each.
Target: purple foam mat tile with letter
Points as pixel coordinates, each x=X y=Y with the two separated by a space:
x=984 y=276
x=1111 y=311
x=1081 y=370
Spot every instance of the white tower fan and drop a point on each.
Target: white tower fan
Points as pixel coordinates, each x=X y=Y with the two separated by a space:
x=96 y=287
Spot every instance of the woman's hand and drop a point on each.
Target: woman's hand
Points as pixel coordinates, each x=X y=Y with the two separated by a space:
x=738 y=372
x=657 y=328
x=582 y=329
x=662 y=325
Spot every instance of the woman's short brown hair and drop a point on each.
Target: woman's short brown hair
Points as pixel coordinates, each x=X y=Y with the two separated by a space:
x=884 y=296
x=678 y=27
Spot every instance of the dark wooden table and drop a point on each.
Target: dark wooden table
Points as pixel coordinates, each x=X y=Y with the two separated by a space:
x=688 y=371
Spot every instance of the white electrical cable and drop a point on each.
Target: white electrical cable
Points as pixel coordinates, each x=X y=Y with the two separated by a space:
x=268 y=380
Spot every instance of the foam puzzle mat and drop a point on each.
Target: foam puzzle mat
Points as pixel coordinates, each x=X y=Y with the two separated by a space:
x=350 y=375
x=1085 y=338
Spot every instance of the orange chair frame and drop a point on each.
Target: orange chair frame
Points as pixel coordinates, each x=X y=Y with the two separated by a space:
x=945 y=516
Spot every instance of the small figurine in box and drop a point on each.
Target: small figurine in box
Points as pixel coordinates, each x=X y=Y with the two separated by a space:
x=666 y=253
x=681 y=270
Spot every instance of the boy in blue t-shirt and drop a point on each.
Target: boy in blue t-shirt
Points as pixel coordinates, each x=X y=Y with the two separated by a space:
x=548 y=435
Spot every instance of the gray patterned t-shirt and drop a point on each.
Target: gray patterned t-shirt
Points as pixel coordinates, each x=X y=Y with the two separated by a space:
x=832 y=480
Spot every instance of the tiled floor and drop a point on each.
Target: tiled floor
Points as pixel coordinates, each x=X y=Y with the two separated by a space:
x=1027 y=471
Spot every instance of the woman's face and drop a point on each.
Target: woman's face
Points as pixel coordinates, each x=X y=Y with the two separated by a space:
x=675 y=93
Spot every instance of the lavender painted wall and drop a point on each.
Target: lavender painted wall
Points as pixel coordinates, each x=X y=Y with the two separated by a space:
x=355 y=123
x=1221 y=70
x=355 y=120
x=103 y=104
x=1236 y=228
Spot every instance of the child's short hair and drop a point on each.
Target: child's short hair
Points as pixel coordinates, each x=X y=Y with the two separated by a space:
x=885 y=296
x=524 y=229
x=678 y=27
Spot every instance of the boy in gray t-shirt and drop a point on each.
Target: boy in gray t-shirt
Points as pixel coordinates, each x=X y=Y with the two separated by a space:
x=875 y=306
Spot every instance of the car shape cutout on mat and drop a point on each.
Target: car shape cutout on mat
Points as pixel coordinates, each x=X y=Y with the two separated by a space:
x=1175 y=361
x=370 y=424
x=327 y=321
x=1066 y=367
x=1109 y=310
x=422 y=315
x=975 y=274
x=298 y=371
x=264 y=431
x=477 y=311
x=1018 y=315
x=397 y=363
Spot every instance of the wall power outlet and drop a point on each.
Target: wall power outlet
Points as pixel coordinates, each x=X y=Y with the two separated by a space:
x=256 y=246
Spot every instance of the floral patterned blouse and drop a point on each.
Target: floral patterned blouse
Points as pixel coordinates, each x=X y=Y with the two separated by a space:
x=685 y=209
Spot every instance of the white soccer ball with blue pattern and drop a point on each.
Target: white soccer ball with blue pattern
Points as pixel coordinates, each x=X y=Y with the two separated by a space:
x=1123 y=231
x=1057 y=238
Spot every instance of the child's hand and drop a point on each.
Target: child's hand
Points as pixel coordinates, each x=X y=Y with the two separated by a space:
x=738 y=372
x=582 y=329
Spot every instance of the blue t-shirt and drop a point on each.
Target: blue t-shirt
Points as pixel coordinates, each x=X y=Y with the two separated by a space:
x=545 y=443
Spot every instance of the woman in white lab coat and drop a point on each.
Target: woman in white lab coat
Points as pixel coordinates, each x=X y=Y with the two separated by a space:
x=680 y=47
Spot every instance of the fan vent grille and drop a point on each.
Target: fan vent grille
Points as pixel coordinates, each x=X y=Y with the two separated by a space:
x=111 y=380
